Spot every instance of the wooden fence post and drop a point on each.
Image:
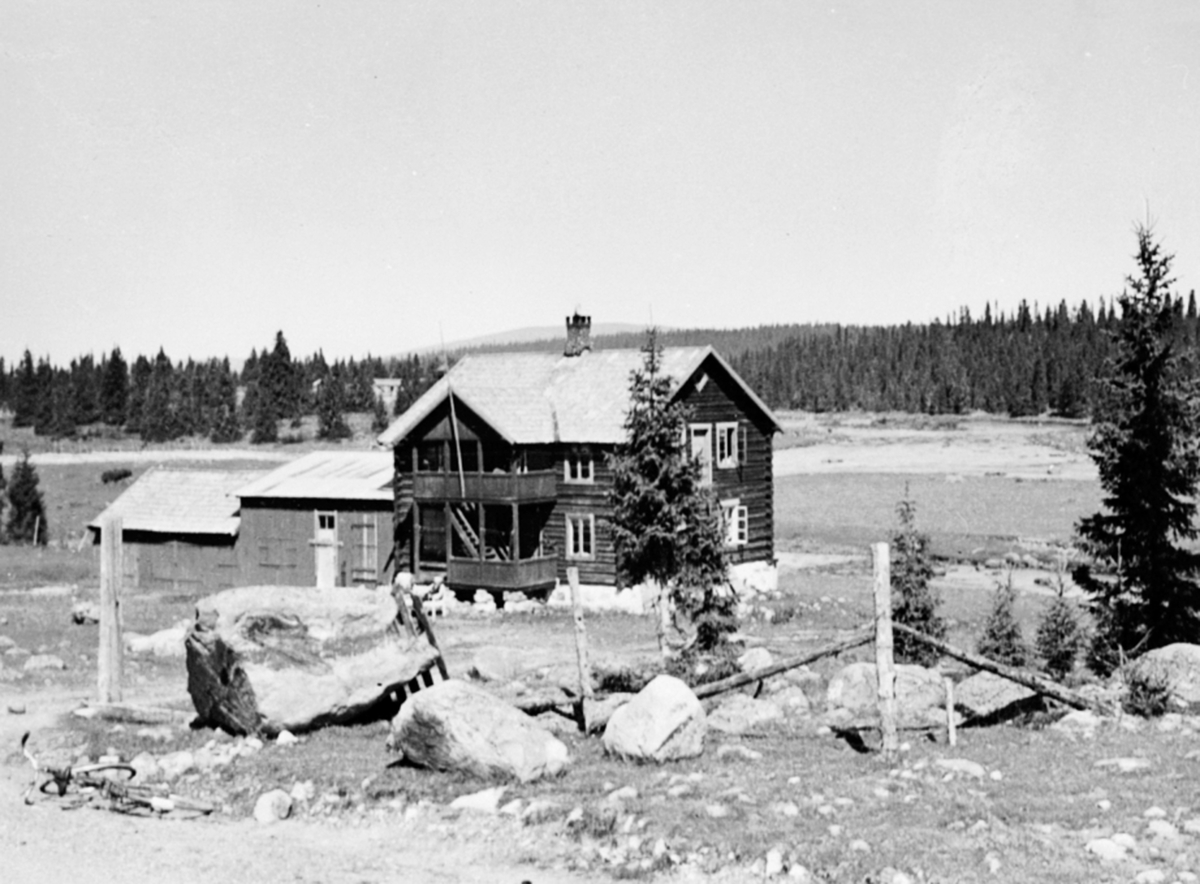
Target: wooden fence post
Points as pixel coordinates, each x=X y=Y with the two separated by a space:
x=884 y=663
x=951 y=732
x=108 y=661
x=581 y=650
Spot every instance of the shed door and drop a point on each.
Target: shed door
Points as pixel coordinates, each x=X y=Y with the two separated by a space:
x=325 y=545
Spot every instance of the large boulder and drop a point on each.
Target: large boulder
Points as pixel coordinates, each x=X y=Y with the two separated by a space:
x=664 y=722
x=460 y=727
x=853 y=695
x=301 y=659
x=986 y=695
x=1178 y=665
x=739 y=714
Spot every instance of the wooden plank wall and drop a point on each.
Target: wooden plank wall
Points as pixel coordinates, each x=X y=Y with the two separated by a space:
x=722 y=400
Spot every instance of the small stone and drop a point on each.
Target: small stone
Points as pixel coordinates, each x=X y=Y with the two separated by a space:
x=1162 y=829
x=835 y=830
x=1104 y=804
x=1106 y=849
x=273 y=806
x=16 y=708
x=43 y=663
x=745 y=753
x=1154 y=813
x=996 y=775
x=962 y=766
x=513 y=808
x=145 y=766
x=1124 y=765
x=993 y=862
x=485 y=801
x=800 y=873
x=175 y=764
x=1125 y=840
x=303 y=792
x=858 y=845
x=541 y=810
x=1150 y=876
x=286 y=738
x=786 y=809
x=774 y=863
x=717 y=811
x=1192 y=826
x=625 y=793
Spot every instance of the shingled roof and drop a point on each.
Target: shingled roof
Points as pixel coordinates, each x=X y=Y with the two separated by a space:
x=180 y=501
x=328 y=475
x=531 y=398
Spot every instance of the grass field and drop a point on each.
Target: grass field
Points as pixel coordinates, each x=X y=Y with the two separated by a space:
x=967 y=517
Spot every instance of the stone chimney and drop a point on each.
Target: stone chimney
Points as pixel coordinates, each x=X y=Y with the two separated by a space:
x=579 y=335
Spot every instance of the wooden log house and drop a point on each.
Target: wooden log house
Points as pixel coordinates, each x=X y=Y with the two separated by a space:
x=502 y=479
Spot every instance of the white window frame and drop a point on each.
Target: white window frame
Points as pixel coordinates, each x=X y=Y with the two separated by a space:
x=736 y=519
x=579 y=468
x=587 y=524
x=705 y=456
x=728 y=453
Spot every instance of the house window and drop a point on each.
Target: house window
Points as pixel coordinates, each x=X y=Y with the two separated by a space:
x=581 y=536
x=431 y=457
x=700 y=444
x=579 y=468
x=727 y=446
x=326 y=522
x=736 y=519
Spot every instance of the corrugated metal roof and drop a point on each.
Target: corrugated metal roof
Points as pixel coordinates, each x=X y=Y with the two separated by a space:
x=328 y=475
x=532 y=398
x=175 y=501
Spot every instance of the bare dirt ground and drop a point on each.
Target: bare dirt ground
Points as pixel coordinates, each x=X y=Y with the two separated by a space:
x=970 y=446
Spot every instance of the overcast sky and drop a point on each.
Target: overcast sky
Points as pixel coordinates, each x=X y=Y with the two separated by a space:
x=372 y=176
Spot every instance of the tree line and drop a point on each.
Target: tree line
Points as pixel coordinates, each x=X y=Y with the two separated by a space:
x=160 y=399
x=1028 y=362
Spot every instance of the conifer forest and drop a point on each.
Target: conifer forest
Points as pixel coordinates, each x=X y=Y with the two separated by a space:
x=1028 y=362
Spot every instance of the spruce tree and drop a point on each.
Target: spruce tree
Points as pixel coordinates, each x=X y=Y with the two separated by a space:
x=26 y=509
x=914 y=602
x=331 y=420
x=1142 y=575
x=25 y=393
x=1002 y=640
x=666 y=524
x=114 y=389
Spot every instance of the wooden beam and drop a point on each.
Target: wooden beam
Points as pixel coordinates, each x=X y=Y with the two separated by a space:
x=108 y=661
x=1034 y=682
x=885 y=664
x=581 y=650
x=714 y=688
x=423 y=621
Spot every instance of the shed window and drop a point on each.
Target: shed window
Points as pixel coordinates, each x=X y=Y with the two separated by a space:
x=365 y=567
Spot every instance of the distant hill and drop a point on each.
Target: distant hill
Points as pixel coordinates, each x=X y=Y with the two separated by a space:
x=519 y=338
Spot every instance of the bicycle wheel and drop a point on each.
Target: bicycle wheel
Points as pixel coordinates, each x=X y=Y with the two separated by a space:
x=97 y=774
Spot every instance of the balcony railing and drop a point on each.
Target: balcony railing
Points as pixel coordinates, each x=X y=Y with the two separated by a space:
x=539 y=573
x=510 y=487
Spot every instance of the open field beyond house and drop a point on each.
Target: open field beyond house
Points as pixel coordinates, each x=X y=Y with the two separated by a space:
x=1038 y=797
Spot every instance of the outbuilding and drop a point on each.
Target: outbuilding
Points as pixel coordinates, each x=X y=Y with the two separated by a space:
x=179 y=529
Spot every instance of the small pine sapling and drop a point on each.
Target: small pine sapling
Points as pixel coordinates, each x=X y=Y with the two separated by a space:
x=914 y=602
x=1060 y=636
x=1002 y=640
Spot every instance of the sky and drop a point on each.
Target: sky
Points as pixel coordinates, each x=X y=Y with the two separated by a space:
x=380 y=176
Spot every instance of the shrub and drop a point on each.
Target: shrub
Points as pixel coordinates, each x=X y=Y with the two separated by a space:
x=1002 y=640
x=1147 y=691
x=118 y=475
x=914 y=602
x=1059 y=635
